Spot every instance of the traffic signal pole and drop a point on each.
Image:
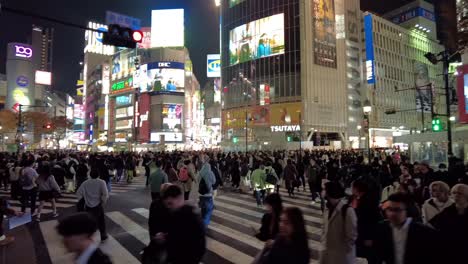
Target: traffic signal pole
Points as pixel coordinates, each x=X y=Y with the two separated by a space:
x=447 y=101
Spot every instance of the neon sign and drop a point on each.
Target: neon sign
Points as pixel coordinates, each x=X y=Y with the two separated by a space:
x=23 y=52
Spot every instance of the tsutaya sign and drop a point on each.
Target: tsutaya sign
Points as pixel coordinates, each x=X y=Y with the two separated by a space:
x=290 y=128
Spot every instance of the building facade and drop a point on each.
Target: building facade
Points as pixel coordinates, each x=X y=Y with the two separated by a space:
x=42 y=43
x=291 y=72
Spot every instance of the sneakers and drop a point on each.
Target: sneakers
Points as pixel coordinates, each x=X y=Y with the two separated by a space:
x=7 y=240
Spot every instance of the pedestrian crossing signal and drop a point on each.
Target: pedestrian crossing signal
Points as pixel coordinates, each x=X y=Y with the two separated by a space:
x=436 y=125
x=289 y=138
x=235 y=140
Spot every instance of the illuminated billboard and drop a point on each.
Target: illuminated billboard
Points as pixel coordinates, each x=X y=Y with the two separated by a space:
x=323 y=13
x=257 y=39
x=123 y=64
x=162 y=77
x=172 y=116
x=43 y=77
x=123 y=100
x=93 y=40
x=167 y=28
x=213 y=66
x=235 y=2
x=462 y=91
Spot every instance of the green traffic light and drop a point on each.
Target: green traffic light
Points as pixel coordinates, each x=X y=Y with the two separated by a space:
x=234 y=140
x=436 y=125
x=289 y=138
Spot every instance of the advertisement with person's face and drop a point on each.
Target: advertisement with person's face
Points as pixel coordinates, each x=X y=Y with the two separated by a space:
x=257 y=39
x=162 y=77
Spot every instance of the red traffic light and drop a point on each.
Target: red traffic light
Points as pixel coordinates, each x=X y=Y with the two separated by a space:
x=137 y=36
x=47 y=126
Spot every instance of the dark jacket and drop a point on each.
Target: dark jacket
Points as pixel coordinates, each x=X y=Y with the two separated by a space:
x=454 y=231
x=185 y=240
x=98 y=257
x=283 y=252
x=158 y=220
x=368 y=215
x=267 y=231
x=421 y=244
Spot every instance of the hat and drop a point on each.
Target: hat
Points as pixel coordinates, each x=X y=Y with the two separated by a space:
x=77 y=224
x=334 y=190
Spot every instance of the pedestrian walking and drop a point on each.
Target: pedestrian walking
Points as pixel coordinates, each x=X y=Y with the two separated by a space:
x=28 y=185
x=94 y=194
x=270 y=220
x=48 y=190
x=291 y=244
x=452 y=223
x=339 y=229
x=156 y=179
x=440 y=199
x=290 y=177
x=258 y=183
x=400 y=240
x=206 y=180
x=77 y=231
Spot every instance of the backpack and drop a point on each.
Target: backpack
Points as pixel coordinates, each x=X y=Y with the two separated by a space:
x=24 y=180
x=203 y=187
x=183 y=174
x=270 y=178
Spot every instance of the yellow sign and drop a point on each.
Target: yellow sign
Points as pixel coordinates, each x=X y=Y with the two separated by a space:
x=285 y=114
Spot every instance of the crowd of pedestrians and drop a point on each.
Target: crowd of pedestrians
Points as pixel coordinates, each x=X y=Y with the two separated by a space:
x=387 y=210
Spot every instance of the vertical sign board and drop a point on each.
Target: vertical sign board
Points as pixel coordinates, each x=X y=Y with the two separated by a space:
x=324 y=33
x=213 y=65
x=462 y=83
x=20 y=75
x=370 y=58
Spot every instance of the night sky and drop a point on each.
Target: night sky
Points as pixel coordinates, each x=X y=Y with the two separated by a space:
x=200 y=21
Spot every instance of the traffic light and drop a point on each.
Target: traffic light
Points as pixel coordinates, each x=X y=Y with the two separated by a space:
x=47 y=126
x=436 y=125
x=122 y=36
x=235 y=140
x=289 y=138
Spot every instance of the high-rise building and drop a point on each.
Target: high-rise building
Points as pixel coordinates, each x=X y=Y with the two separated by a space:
x=42 y=43
x=291 y=71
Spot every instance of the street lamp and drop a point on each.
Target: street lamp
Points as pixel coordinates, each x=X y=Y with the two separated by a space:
x=367 y=109
x=217 y=2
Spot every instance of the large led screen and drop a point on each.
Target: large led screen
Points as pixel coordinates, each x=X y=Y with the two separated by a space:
x=162 y=77
x=167 y=28
x=172 y=116
x=260 y=38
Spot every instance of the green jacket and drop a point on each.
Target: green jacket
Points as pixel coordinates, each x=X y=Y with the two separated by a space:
x=157 y=178
x=258 y=178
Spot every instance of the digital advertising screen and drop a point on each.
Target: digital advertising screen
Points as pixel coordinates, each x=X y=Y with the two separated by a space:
x=235 y=2
x=167 y=28
x=323 y=12
x=162 y=77
x=257 y=39
x=172 y=116
x=462 y=92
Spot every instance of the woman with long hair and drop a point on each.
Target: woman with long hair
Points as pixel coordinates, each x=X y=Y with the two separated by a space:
x=48 y=189
x=270 y=220
x=291 y=244
x=171 y=172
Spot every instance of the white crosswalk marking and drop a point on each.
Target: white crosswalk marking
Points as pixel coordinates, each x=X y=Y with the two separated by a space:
x=229 y=235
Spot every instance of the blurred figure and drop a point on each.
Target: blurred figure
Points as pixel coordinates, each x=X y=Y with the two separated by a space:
x=400 y=240
x=440 y=200
x=452 y=222
x=291 y=244
x=258 y=183
x=290 y=177
x=77 y=232
x=340 y=228
x=6 y=211
x=270 y=220
x=48 y=190
x=156 y=179
x=206 y=180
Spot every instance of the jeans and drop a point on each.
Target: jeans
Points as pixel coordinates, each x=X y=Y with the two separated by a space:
x=29 y=196
x=260 y=196
x=109 y=186
x=206 y=206
x=98 y=214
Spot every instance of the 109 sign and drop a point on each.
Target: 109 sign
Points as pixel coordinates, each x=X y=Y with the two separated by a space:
x=23 y=52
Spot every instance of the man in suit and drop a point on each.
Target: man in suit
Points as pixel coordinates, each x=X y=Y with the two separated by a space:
x=400 y=240
x=77 y=231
